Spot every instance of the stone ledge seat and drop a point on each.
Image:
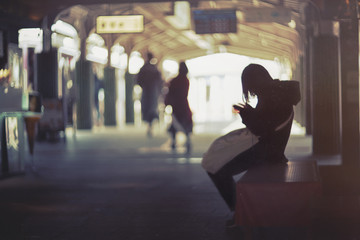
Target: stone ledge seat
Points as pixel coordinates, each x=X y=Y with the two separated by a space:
x=277 y=195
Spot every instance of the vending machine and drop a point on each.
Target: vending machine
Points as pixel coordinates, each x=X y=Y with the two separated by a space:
x=18 y=105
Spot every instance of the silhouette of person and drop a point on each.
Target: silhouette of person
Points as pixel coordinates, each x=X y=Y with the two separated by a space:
x=270 y=120
x=181 y=115
x=150 y=80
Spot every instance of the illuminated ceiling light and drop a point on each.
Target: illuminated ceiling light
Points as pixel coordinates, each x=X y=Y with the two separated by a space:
x=157 y=23
x=69 y=42
x=153 y=61
x=240 y=16
x=256 y=3
x=97 y=54
x=181 y=16
x=4 y=73
x=70 y=51
x=99 y=51
x=135 y=62
x=197 y=39
x=222 y=49
x=202 y=44
x=292 y=24
x=96 y=39
x=69 y=84
x=120 y=24
x=170 y=65
x=30 y=35
x=64 y=29
x=118 y=49
x=264 y=43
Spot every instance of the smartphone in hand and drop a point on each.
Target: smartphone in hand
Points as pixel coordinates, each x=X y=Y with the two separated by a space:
x=238 y=107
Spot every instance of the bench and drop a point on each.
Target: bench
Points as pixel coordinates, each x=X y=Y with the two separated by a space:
x=277 y=195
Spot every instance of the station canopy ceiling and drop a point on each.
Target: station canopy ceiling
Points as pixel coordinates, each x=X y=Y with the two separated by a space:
x=165 y=35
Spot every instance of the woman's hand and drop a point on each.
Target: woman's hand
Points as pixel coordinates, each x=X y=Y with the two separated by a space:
x=238 y=107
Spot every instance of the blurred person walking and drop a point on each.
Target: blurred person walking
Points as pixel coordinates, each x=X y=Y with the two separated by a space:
x=150 y=80
x=181 y=115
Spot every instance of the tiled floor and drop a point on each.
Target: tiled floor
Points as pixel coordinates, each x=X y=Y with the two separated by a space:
x=117 y=184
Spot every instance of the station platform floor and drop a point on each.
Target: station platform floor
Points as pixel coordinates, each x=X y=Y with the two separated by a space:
x=117 y=184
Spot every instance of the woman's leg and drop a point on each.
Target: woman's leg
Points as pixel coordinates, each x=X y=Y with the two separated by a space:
x=149 y=130
x=226 y=187
x=223 y=179
x=172 y=132
x=188 y=143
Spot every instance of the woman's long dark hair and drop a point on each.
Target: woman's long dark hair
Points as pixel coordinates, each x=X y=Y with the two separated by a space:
x=253 y=78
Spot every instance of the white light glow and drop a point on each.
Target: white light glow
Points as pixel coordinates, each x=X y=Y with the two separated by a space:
x=69 y=43
x=31 y=37
x=118 y=57
x=95 y=58
x=170 y=66
x=72 y=52
x=292 y=24
x=101 y=95
x=69 y=84
x=99 y=51
x=97 y=54
x=64 y=29
x=135 y=62
x=96 y=39
x=215 y=85
x=123 y=61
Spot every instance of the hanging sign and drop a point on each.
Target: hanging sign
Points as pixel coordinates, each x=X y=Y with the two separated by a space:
x=267 y=14
x=120 y=24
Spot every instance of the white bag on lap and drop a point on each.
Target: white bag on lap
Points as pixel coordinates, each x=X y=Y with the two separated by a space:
x=226 y=148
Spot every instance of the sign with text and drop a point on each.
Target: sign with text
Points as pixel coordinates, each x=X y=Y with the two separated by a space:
x=120 y=24
x=215 y=21
x=266 y=14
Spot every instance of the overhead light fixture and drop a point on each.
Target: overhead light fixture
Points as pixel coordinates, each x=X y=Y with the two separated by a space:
x=31 y=37
x=256 y=3
x=222 y=49
x=182 y=15
x=197 y=39
x=292 y=24
x=97 y=54
x=120 y=24
x=64 y=29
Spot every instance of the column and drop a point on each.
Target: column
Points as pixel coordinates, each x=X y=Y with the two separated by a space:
x=129 y=101
x=300 y=113
x=349 y=44
x=325 y=93
x=110 y=97
x=47 y=74
x=85 y=91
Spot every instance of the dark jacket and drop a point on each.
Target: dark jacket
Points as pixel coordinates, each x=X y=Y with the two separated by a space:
x=149 y=79
x=274 y=108
x=177 y=98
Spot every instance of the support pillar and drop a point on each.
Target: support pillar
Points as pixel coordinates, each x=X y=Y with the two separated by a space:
x=325 y=93
x=349 y=43
x=85 y=89
x=110 y=97
x=47 y=74
x=307 y=89
x=300 y=112
x=129 y=101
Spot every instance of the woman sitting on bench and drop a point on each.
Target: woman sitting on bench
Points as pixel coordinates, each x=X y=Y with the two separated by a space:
x=270 y=121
